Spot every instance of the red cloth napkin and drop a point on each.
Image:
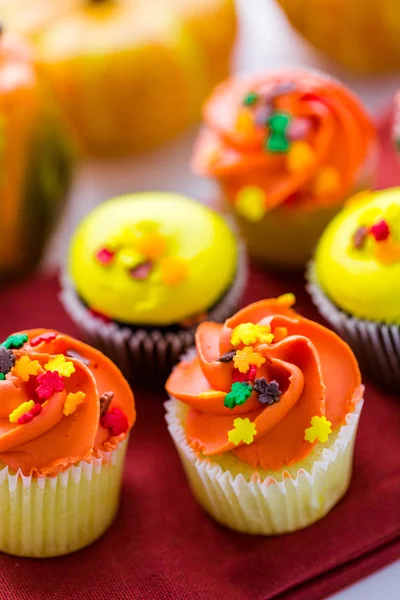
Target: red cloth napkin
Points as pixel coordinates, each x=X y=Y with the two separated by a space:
x=162 y=546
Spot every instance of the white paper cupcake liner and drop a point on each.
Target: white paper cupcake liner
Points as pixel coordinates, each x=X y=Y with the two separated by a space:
x=376 y=345
x=51 y=516
x=139 y=353
x=274 y=504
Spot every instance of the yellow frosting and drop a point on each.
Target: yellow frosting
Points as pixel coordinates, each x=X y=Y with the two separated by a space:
x=193 y=255
x=363 y=281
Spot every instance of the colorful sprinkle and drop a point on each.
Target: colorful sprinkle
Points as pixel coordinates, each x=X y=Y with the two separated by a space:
x=105 y=401
x=25 y=367
x=174 y=270
x=319 y=430
x=227 y=357
x=248 y=377
x=251 y=203
x=142 y=271
x=387 y=252
x=245 y=122
x=211 y=394
x=288 y=299
x=262 y=115
x=360 y=236
x=246 y=357
x=153 y=245
x=15 y=341
x=115 y=421
x=239 y=394
x=21 y=410
x=73 y=354
x=380 y=231
x=250 y=98
x=299 y=129
x=30 y=415
x=7 y=360
x=72 y=402
x=49 y=384
x=2 y=377
x=277 y=141
x=248 y=334
x=59 y=364
x=104 y=256
x=300 y=157
x=327 y=182
x=43 y=337
x=244 y=431
x=268 y=392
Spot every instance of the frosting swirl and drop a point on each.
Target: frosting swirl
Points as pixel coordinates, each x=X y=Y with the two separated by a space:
x=52 y=413
x=293 y=138
x=297 y=373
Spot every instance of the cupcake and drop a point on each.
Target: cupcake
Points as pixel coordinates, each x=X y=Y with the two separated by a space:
x=355 y=281
x=65 y=416
x=144 y=270
x=264 y=417
x=286 y=150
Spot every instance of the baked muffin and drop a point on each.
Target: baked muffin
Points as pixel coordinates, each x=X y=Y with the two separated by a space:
x=144 y=270
x=264 y=417
x=286 y=149
x=355 y=281
x=65 y=417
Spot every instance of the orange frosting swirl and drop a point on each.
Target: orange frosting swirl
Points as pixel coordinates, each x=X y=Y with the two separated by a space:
x=329 y=136
x=317 y=375
x=53 y=440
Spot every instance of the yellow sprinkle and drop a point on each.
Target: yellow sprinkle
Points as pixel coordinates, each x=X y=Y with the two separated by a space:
x=245 y=122
x=319 y=430
x=287 y=299
x=246 y=357
x=327 y=182
x=25 y=367
x=174 y=270
x=72 y=402
x=212 y=394
x=300 y=157
x=248 y=334
x=251 y=203
x=21 y=410
x=244 y=431
x=58 y=363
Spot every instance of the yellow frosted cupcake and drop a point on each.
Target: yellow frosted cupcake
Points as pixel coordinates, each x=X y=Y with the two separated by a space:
x=355 y=281
x=65 y=417
x=144 y=270
x=264 y=417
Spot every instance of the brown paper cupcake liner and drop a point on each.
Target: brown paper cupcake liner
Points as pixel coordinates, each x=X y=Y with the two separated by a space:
x=142 y=354
x=376 y=345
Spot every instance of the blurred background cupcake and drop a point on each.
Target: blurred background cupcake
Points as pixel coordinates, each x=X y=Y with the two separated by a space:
x=355 y=281
x=286 y=149
x=65 y=417
x=264 y=417
x=144 y=270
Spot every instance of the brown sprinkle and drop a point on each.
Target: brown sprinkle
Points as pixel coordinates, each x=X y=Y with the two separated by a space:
x=105 y=401
x=359 y=237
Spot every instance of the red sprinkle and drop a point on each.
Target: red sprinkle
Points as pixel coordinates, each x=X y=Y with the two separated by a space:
x=244 y=377
x=380 y=231
x=27 y=417
x=104 y=256
x=142 y=271
x=115 y=421
x=43 y=337
x=49 y=383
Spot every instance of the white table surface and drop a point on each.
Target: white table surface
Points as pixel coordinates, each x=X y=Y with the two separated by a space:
x=266 y=42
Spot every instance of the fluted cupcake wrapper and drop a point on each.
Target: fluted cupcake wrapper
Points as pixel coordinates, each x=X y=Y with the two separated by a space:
x=376 y=345
x=51 y=516
x=147 y=354
x=273 y=505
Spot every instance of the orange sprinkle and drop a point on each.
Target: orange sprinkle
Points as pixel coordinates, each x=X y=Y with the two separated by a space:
x=174 y=270
x=327 y=182
x=387 y=252
x=153 y=245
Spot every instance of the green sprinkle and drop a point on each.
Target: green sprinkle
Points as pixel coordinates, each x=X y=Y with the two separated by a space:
x=2 y=377
x=250 y=98
x=15 y=341
x=278 y=141
x=240 y=392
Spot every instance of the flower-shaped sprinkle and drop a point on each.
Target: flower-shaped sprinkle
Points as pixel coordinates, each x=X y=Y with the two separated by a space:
x=244 y=377
x=244 y=431
x=7 y=360
x=174 y=270
x=47 y=337
x=319 y=430
x=380 y=230
x=25 y=367
x=246 y=357
x=72 y=402
x=268 y=393
x=240 y=392
x=65 y=368
x=15 y=341
x=21 y=410
x=248 y=334
x=115 y=421
x=49 y=383
x=30 y=415
x=152 y=245
x=251 y=203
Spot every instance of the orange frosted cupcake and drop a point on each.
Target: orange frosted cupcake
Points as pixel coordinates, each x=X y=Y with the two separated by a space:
x=65 y=416
x=264 y=418
x=287 y=149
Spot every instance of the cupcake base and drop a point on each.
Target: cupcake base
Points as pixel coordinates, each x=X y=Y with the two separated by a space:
x=147 y=354
x=51 y=516
x=268 y=503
